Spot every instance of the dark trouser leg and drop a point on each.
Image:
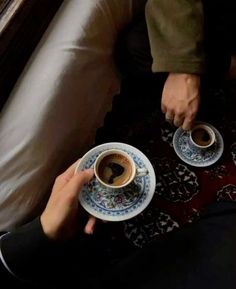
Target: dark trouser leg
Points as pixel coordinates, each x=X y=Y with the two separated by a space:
x=199 y=256
x=219 y=36
x=140 y=88
x=132 y=51
x=219 y=45
x=134 y=60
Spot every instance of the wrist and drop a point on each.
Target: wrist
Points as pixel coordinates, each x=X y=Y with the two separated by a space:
x=46 y=228
x=189 y=78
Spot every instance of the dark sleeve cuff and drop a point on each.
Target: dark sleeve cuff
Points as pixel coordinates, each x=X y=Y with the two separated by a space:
x=25 y=249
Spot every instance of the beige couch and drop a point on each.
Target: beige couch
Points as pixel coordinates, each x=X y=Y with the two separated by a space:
x=58 y=103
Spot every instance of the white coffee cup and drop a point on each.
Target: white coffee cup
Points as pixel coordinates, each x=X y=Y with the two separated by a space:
x=115 y=169
x=202 y=136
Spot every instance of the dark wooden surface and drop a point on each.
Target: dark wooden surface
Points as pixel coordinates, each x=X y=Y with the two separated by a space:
x=19 y=39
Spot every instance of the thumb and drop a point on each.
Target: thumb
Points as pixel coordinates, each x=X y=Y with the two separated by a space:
x=78 y=180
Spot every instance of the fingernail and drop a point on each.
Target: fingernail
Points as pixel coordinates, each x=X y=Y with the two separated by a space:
x=88 y=230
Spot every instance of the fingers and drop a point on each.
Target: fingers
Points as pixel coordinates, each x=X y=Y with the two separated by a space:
x=78 y=180
x=188 y=123
x=62 y=207
x=65 y=177
x=169 y=116
x=89 y=227
x=181 y=98
x=178 y=120
x=163 y=108
x=71 y=170
x=189 y=119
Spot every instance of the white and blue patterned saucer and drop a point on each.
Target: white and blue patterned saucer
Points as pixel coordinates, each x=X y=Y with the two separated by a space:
x=197 y=158
x=124 y=203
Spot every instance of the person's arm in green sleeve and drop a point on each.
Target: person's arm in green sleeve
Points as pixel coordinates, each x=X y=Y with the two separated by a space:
x=176 y=33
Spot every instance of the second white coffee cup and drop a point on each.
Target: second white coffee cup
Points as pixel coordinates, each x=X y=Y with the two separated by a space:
x=202 y=136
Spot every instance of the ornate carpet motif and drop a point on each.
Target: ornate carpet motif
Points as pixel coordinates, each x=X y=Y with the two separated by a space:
x=182 y=191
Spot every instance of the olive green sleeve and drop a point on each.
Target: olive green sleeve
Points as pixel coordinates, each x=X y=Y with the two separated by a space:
x=175 y=29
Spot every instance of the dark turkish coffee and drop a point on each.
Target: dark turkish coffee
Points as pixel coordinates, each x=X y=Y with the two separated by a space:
x=115 y=169
x=201 y=137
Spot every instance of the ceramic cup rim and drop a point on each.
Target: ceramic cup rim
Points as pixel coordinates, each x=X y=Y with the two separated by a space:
x=209 y=130
x=105 y=153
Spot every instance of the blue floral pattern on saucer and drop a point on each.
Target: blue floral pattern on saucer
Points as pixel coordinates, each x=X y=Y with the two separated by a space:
x=123 y=203
x=197 y=158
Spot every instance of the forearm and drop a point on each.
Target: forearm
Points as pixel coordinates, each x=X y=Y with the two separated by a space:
x=175 y=30
x=24 y=251
x=30 y=257
x=5 y=276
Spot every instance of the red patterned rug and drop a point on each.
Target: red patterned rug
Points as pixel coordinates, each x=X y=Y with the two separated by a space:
x=182 y=190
